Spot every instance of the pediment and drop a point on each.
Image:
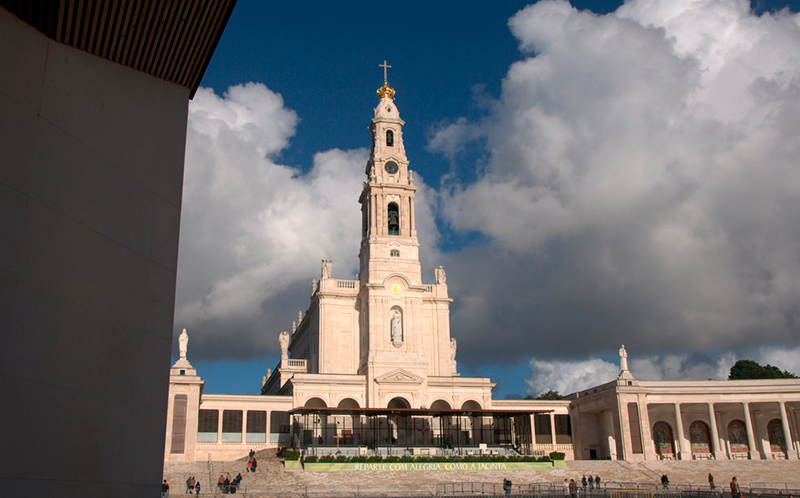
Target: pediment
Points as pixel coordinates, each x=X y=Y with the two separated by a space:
x=399 y=376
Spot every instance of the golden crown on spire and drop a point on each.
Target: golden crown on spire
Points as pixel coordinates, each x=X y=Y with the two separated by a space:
x=386 y=92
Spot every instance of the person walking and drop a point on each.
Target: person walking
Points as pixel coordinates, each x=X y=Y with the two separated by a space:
x=197 y=488
x=597 y=482
x=591 y=482
x=735 y=493
x=507 y=487
x=566 y=487
x=584 y=483
x=573 y=489
x=665 y=481
x=164 y=489
x=711 y=481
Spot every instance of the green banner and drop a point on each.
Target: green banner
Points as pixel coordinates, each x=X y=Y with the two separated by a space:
x=424 y=466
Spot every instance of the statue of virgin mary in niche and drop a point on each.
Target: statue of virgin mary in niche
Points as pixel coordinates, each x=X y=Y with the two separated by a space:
x=397 y=327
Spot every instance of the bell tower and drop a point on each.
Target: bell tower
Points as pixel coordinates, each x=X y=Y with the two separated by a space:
x=388 y=231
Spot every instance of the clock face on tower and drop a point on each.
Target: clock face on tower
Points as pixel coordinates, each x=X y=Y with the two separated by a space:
x=391 y=167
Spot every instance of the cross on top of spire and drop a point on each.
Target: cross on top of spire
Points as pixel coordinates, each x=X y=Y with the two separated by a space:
x=385 y=92
x=385 y=66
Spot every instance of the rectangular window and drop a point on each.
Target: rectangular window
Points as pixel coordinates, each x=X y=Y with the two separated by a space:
x=541 y=423
x=232 y=426
x=179 y=423
x=256 y=426
x=207 y=426
x=279 y=422
x=636 y=434
x=563 y=429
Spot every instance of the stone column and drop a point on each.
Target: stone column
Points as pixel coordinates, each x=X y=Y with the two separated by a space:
x=679 y=429
x=714 y=434
x=553 y=429
x=411 y=221
x=791 y=454
x=648 y=446
x=751 y=440
x=244 y=426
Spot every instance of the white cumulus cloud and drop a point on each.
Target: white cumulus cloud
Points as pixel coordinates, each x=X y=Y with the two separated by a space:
x=642 y=187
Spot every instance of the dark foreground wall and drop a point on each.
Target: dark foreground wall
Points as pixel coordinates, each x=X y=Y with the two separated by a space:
x=91 y=170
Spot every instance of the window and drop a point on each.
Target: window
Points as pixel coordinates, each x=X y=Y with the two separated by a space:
x=563 y=429
x=279 y=422
x=179 y=423
x=395 y=253
x=389 y=138
x=207 y=424
x=541 y=424
x=256 y=426
x=394 y=219
x=232 y=426
x=636 y=433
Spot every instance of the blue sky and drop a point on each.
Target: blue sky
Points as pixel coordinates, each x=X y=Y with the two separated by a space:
x=598 y=225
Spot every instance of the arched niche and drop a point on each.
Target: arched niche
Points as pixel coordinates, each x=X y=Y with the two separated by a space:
x=737 y=437
x=471 y=405
x=441 y=404
x=662 y=439
x=348 y=403
x=399 y=402
x=777 y=441
x=315 y=403
x=393 y=217
x=700 y=437
x=396 y=332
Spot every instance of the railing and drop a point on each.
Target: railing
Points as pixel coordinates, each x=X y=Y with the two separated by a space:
x=428 y=288
x=297 y=363
x=347 y=284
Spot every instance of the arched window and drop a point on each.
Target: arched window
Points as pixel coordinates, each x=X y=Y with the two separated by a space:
x=395 y=253
x=389 y=138
x=394 y=219
x=737 y=437
x=662 y=439
x=699 y=437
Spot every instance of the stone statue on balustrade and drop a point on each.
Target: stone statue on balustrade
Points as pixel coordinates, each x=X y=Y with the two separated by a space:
x=441 y=276
x=183 y=344
x=283 y=339
x=326 y=268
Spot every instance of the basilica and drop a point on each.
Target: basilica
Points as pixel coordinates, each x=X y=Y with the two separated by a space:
x=370 y=368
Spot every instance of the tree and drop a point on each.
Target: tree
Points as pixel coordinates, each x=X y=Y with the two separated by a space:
x=550 y=395
x=749 y=369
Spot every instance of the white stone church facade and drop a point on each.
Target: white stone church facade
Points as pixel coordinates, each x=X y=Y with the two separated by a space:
x=371 y=367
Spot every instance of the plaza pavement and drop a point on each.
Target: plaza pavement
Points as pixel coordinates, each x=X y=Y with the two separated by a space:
x=272 y=479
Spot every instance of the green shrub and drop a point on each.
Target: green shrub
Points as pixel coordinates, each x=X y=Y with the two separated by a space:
x=291 y=455
x=555 y=455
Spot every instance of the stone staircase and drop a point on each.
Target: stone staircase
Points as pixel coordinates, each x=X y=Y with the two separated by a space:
x=271 y=479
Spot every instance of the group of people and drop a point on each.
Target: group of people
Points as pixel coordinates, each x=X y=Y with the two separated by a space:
x=252 y=463
x=571 y=487
x=228 y=485
x=192 y=486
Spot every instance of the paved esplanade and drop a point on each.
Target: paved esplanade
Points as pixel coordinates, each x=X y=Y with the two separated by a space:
x=276 y=481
